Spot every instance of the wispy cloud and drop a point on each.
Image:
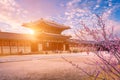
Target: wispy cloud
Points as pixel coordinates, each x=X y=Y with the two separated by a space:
x=11 y=16
x=11 y=11
x=85 y=10
x=76 y=14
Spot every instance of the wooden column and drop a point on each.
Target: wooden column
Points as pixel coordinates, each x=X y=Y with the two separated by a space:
x=17 y=46
x=1 y=47
x=24 y=46
x=10 y=46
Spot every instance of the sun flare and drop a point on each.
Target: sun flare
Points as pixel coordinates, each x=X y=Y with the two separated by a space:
x=31 y=32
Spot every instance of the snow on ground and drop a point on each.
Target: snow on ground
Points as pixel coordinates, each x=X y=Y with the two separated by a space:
x=15 y=58
x=43 y=67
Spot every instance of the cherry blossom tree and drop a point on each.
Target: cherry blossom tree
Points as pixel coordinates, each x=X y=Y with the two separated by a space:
x=96 y=27
x=109 y=62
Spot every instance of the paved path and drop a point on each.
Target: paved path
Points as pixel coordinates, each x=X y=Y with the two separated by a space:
x=16 y=58
x=42 y=67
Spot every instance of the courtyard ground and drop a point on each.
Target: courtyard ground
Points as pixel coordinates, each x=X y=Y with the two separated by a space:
x=44 y=67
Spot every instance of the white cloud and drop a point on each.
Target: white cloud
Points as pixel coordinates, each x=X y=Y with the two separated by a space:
x=115 y=25
x=72 y=3
x=11 y=14
x=11 y=11
x=74 y=15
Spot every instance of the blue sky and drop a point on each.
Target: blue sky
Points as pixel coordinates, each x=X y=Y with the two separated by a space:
x=15 y=12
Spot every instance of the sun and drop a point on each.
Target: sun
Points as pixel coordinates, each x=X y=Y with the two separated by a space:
x=31 y=32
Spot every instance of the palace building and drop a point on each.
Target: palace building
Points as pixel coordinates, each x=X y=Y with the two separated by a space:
x=12 y=43
x=47 y=37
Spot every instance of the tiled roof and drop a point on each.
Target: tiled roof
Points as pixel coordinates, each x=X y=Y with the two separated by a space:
x=16 y=36
x=46 y=22
x=54 y=24
x=55 y=35
x=81 y=41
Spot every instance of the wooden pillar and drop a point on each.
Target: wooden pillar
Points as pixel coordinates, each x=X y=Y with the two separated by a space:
x=34 y=47
x=56 y=46
x=17 y=46
x=24 y=46
x=64 y=47
x=1 y=47
x=10 y=46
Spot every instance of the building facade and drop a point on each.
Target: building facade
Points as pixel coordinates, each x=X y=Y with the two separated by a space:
x=47 y=37
x=12 y=43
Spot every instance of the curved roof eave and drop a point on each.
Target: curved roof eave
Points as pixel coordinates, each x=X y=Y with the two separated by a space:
x=49 y=23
